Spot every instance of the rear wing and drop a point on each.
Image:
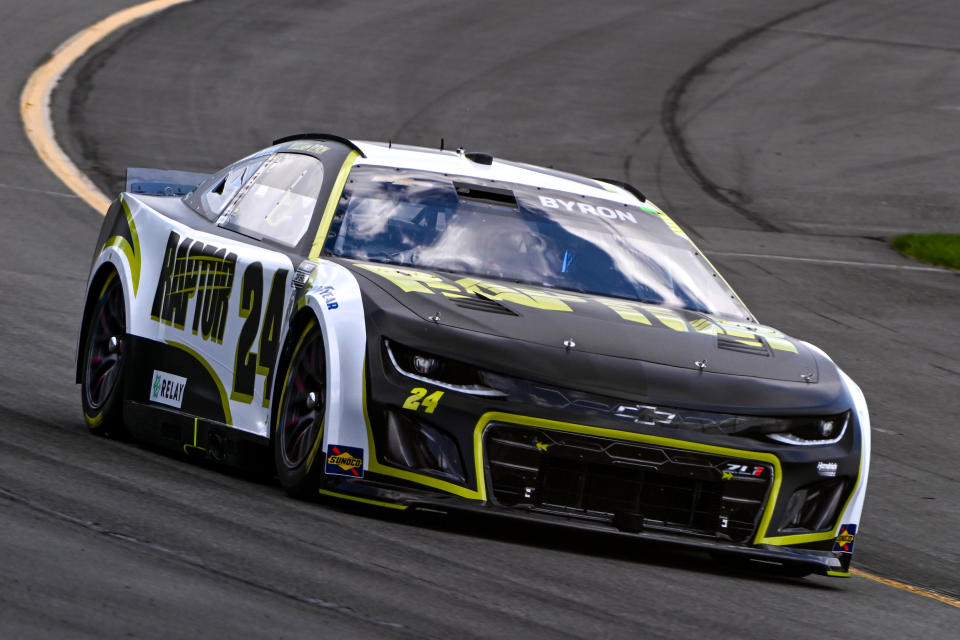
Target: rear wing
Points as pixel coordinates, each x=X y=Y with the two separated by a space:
x=162 y=182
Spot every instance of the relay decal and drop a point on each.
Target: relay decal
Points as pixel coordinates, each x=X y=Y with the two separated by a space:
x=167 y=389
x=344 y=461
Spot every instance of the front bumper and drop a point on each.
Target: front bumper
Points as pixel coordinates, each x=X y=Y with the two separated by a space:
x=385 y=491
x=573 y=465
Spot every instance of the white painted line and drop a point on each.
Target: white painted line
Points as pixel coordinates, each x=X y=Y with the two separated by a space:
x=35 y=98
x=845 y=263
x=16 y=187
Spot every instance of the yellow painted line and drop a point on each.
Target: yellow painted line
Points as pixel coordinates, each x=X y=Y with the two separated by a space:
x=35 y=98
x=896 y=584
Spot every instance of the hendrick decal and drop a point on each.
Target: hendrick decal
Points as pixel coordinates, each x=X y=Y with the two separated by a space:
x=167 y=389
x=828 y=469
x=190 y=269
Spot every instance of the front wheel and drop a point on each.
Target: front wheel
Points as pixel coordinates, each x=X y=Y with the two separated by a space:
x=298 y=430
x=104 y=357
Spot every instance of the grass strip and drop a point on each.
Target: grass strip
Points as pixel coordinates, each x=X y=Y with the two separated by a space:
x=941 y=249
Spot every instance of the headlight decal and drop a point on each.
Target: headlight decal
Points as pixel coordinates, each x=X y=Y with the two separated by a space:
x=430 y=368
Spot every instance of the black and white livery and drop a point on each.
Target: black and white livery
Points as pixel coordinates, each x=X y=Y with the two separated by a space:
x=410 y=327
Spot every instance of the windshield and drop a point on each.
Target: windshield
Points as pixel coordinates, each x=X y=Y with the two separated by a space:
x=524 y=234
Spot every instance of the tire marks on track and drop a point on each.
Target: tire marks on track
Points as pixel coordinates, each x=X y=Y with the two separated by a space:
x=674 y=130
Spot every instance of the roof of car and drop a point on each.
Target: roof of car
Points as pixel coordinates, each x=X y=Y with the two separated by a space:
x=460 y=163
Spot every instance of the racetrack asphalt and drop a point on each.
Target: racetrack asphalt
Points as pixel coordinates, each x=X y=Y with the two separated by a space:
x=790 y=139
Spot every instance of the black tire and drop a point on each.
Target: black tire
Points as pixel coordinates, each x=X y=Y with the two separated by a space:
x=298 y=426
x=104 y=360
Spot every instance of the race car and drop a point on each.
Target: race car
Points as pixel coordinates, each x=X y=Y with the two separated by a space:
x=427 y=328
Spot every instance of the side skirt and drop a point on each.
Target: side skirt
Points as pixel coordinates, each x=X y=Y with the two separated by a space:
x=198 y=438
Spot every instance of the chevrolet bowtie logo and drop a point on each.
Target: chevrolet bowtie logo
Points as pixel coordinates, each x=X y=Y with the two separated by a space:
x=645 y=414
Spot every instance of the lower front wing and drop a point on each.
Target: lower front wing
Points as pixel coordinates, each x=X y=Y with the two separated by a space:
x=385 y=492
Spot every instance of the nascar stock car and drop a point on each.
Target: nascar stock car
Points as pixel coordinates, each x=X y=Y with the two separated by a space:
x=410 y=327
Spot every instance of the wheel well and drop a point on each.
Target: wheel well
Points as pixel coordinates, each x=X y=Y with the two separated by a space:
x=297 y=324
x=93 y=294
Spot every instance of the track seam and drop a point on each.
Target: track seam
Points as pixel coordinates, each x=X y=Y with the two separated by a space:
x=673 y=129
x=198 y=563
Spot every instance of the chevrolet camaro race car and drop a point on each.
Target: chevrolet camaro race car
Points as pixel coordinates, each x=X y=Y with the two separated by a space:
x=409 y=327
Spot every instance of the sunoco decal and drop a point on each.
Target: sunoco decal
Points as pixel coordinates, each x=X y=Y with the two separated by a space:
x=344 y=461
x=844 y=541
x=167 y=389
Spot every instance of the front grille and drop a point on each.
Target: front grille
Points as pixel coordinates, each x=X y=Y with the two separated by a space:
x=631 y=486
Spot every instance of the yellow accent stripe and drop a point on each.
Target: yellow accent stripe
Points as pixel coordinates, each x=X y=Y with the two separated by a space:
x=228 y=418
x=194 y=445
x=896 y=584
x=95 y=421
x=838 y=574
x=283 y=394
x=110 y=277
x=665 y=217
x=319 y=439
x=35 y=99
x=480 y=493
x=388 y=505
x=374 y=466
x=331 y=207
x=826 y=535
x=637 y=437
x=132 y=253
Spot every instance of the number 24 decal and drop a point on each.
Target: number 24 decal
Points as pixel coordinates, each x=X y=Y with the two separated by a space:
x=419 y=398
x=247 y=365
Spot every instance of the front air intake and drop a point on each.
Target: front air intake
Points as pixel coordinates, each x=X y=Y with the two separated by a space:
x=630 y=485
x=757 y=346
x=484 y=304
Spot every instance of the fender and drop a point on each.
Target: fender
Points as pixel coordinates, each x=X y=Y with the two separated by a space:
x=120 y=248
x=851 y=514
x=334 y=297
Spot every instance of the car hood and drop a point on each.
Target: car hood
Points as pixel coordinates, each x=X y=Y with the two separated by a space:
x=594 y=324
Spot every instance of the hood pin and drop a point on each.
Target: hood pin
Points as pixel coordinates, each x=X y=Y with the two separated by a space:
x=807 y=377
x=569 y=343
x=435 y=318
x=701 y=364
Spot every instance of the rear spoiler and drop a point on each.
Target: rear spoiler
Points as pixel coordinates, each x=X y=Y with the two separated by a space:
x=162 y=182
